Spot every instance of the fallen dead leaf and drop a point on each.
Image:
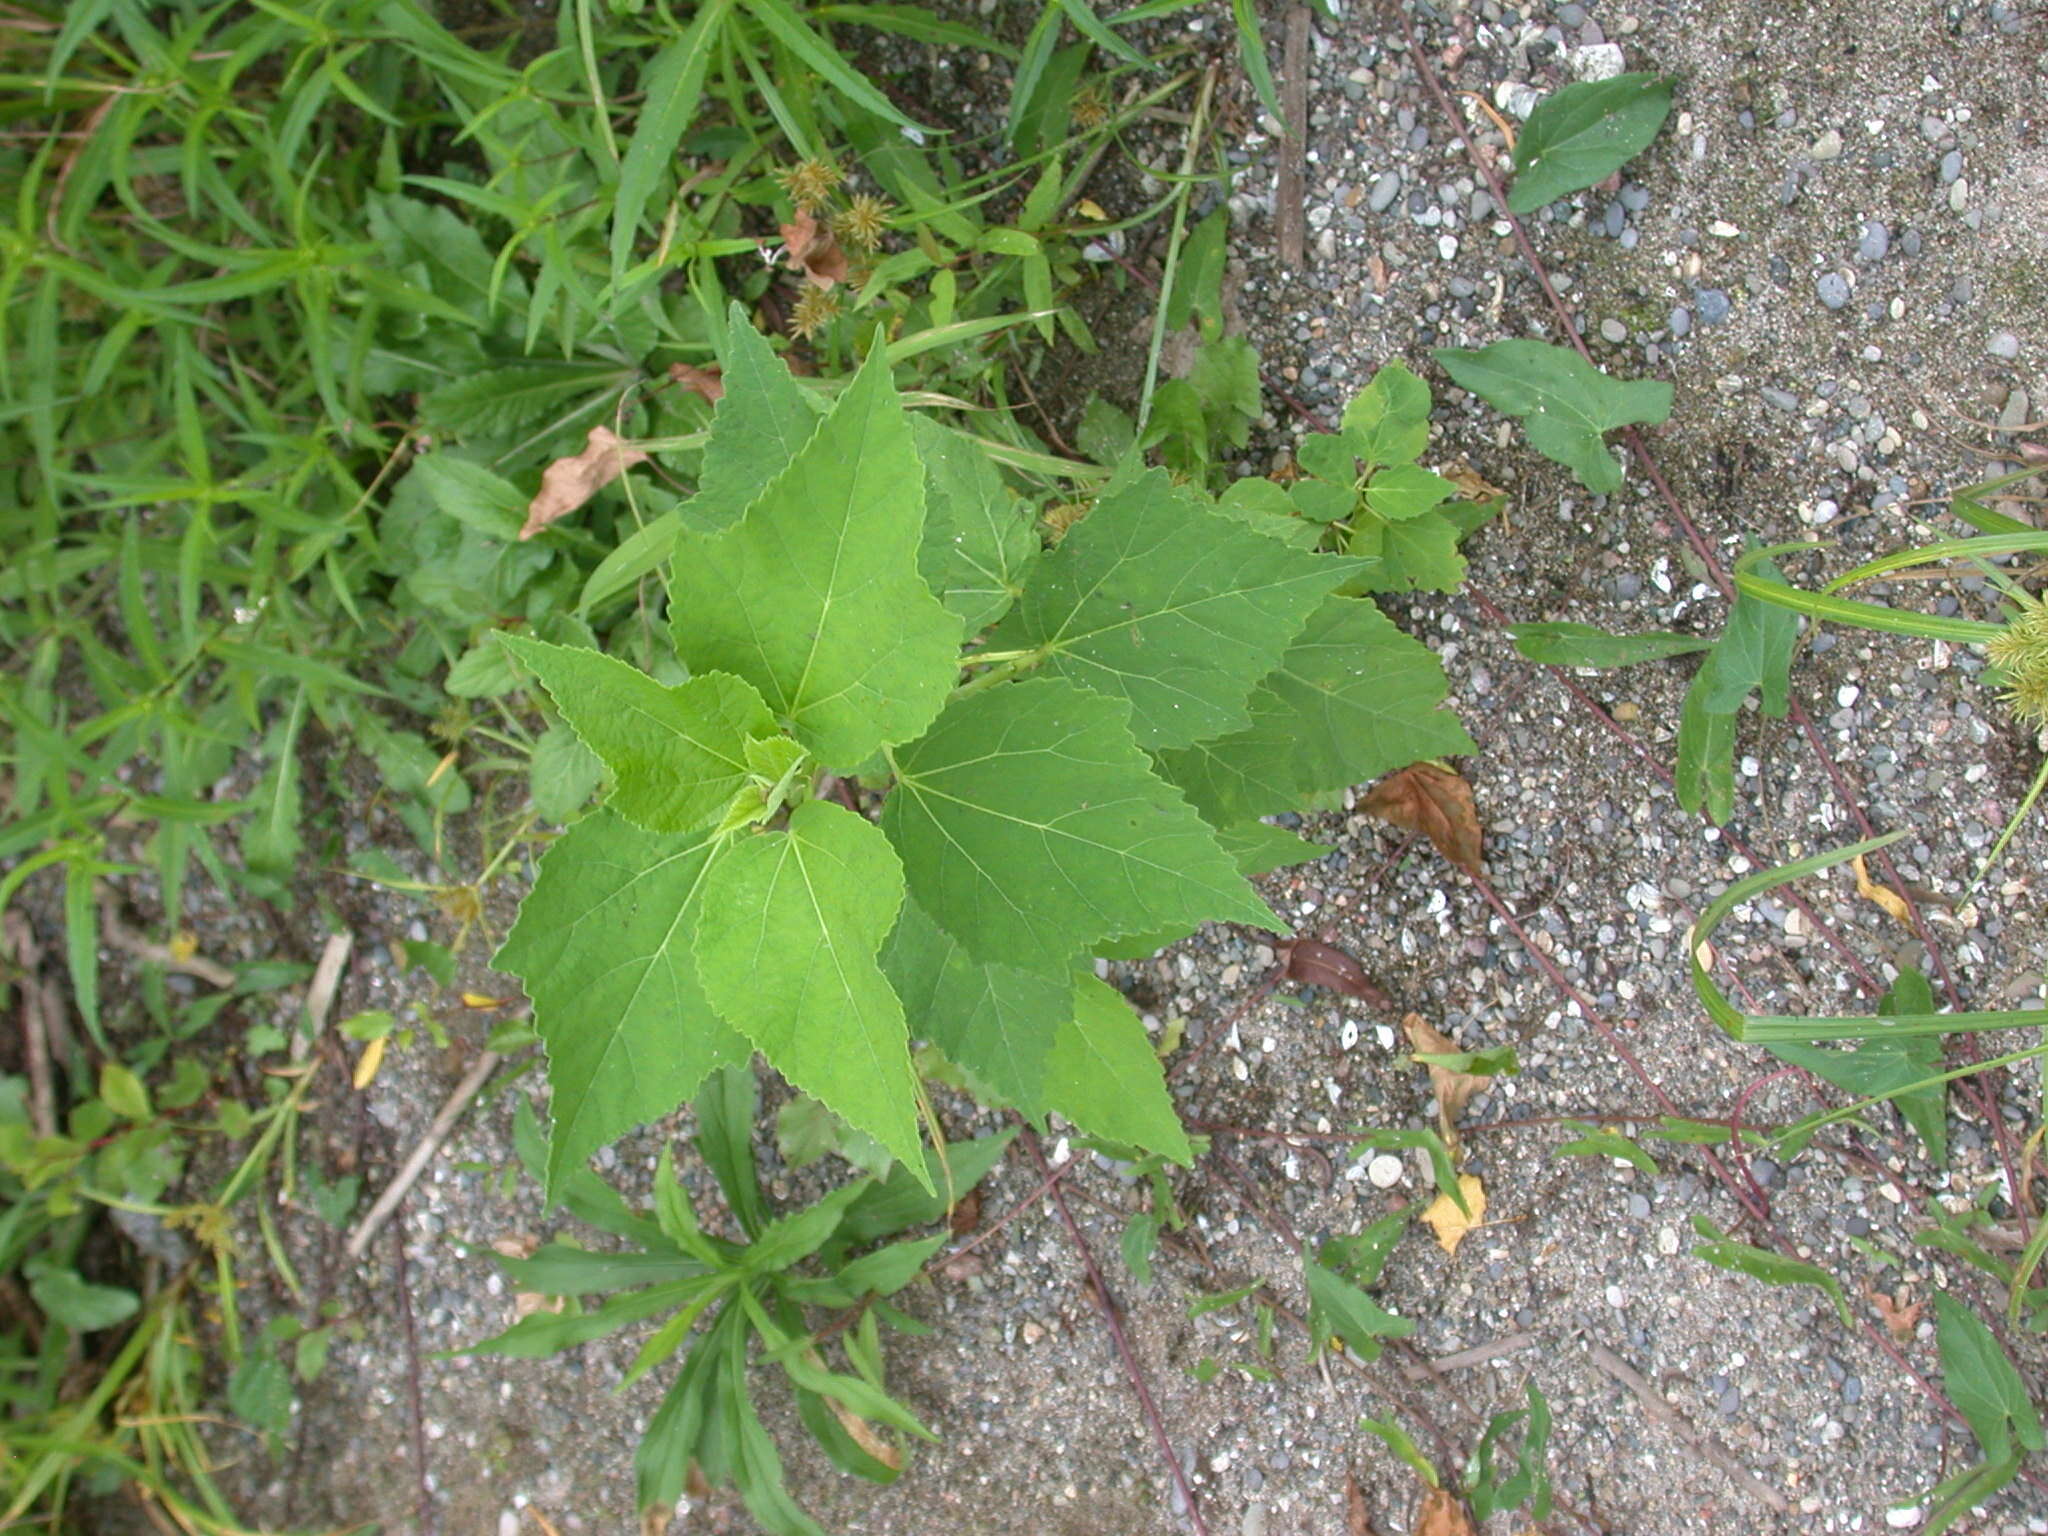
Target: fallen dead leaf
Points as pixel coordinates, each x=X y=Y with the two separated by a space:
x=1454 y=1090
x=700 y=381
x=1435 y=802
x=1451 y=1224
x=813 y=251
x=1467 y=479
x=1899 y=1317
x=1316 y=964
x=1883 y=895
x=1382 y=279
x=568 y=483
x=367 y=1064
x=1443 y=1513
x=966 y=1214
x=1357 y=1519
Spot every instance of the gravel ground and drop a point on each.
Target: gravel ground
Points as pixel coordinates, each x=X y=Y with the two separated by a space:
x=1836 y=252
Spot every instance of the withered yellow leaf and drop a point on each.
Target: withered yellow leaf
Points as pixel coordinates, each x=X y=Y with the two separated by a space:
x=368 y=1063
x=1451 y=1224
x=1883 y=895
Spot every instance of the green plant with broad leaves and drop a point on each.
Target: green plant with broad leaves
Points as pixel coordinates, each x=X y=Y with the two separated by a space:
x=913 y=773
x=721 y=1297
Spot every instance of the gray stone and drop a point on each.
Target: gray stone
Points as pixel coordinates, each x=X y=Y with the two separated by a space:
x=1909 y=242
x=1615 y=219
x=1833 y=290
x=1827 y=147
x=1781 y=399
x=1873 y=242
x=2015 y=415
x=1613 y=330
x=1680 y=321
x=1713 y=305
x=2004 y=345
x=1951 y=166
x=1384 y=191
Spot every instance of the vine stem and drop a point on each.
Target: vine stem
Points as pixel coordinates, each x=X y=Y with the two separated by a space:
x=1098 y=1292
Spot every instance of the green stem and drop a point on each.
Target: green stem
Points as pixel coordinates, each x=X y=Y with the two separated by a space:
x=1000 y=674
x=1180 y=219
x=2012 y=826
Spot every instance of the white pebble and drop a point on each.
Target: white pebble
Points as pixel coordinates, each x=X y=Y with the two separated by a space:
x=1848 y=694
x=1384 y=1171
x=1904 y=1519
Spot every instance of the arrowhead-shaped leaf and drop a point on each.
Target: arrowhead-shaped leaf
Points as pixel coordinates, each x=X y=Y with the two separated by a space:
x=790 y=926
x=995 y=1020
x=1352 y=699
x=1157 y=598
x=756 y=429
x=603 y=945
x=1032 y=828
x=1564 y=401
x=1584 y=134
x=1105 y=1077
x=678 y=755
x=980 y=537
x=814 y=596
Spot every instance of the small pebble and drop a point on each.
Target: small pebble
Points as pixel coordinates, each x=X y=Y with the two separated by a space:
x=1959 y=194
x=1713 y=305
x=1384 y=1171
x=1873 y=242
x=1827 y=147
x=1680 y=321
x=1614 y=330
x=2003 y=345
x=1951 y=168
x=1384 y=191
x=2016 y=413
x=1833 y=289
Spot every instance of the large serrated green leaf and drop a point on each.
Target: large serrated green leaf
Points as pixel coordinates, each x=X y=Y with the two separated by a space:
x=1352 y=699
x=1583 y=134
x=814 y=596
x=1565 y=403
x=995 y=1020
x=786 y=945
x=1032 y=828
x=1157 y=598
x=603 y=945
x=677 y=755
x=1103 y=1074
x=980 y=537
x=764 y=417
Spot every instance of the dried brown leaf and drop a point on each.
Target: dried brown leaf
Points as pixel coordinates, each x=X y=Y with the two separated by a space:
x=1474 y=486
x=700 y=381
x=1899 y=1317
x=1454 y=1090
x=966 y=1214
x=568 y=483
x=1357 y=1518
x=813 y=251
x=1883 y=895
x=1316 y=964
x=1435 y=802
x=1443 y=1513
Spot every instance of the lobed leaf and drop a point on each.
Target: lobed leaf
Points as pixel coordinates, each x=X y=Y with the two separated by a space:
x=787 y=936
x=797 y=594
x=1353 y=698
x=603 y=945
x=677 y=754
x=1565 y=403
x=1032 y=828
x=1156 y=598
